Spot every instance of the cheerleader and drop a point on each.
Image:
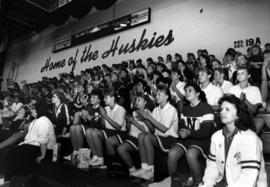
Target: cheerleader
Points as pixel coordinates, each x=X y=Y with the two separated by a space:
x=165 y=121
x=113 y=118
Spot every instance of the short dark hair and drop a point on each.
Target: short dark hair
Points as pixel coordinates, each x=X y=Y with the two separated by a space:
x=97 y=92
x=245 y=120
x=166 y=90
x=42 y=109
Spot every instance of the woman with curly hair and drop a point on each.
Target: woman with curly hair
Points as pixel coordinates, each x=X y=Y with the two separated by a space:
x=235 y=157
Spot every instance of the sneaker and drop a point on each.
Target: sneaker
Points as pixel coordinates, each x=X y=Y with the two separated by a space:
x=148 y=175
x=92 y=160
x=97 y=162
x=164 y=183
x=68 y=157
x=74 y=159
x=137 y=173
x=191 y=182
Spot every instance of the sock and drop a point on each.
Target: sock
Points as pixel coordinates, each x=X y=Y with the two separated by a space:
x=132 y=169
x=144 y=165
x=75 y=152
x=95 y=157
x=101 y=159
x=150 y=167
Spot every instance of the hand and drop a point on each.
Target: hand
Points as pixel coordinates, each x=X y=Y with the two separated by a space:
x=173 y=86
x=39 y=159
x=184 y=133
x=84 y=101
x=102 y=111
x=143 y=115
x=243 y=96
x=129 y=118
x=85 y=113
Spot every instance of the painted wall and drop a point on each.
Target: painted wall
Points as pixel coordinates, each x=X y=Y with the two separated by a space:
x=215 y=28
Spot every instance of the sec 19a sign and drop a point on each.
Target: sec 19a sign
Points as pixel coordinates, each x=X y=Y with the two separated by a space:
x=247 y=42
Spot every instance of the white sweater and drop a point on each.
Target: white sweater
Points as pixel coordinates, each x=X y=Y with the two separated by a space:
x=40 y=131
x=244 y=165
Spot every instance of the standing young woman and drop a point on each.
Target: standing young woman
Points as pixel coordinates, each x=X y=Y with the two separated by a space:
x=235 y=157
x=164 y=119
x=61 y=117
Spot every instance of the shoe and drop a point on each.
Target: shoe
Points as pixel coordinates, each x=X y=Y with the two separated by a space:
x=137 y=173
x=68 y=157
x=92 y=160
x=148 y=175
x=191 y=182
x=97 y=162
x=164 y=183
x=74 y=159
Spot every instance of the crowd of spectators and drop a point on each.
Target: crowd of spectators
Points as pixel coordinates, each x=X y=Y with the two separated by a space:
x=171 y=104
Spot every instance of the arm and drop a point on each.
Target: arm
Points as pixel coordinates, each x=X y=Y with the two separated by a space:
x=251 y=157
x=113 y=123
x=204 y=132
x=252 y=108
x=156 y=124
x=43 y=149
x=211 y=173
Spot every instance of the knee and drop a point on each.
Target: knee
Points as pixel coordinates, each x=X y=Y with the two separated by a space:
x=109 y=141
x=174 y=154
x=147 y=139
x=72 y=128
x=121 y=149
x=89 y=132
x=192 y=154
x=78 y=128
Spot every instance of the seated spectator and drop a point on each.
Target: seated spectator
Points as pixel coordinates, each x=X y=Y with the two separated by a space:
x=195 y=130
x=114 y=118
x=90 y=118
x=235 y=157
x=38 y=143
x=164 y=119
x=129 y=142
x=220 y=82
x=212 y=92
x=250 y=95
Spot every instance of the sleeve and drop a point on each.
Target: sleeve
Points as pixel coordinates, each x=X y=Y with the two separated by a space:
x=170 y=118
x=43 y=128
x=206 y=127
x=219 y=94
x=211 y=173
x=251 y=158
x=120 y=117
x=256 y=97
x=63 y=118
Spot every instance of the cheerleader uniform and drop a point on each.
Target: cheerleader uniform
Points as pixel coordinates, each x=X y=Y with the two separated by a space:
x=200 y=121
x=117 y=114
x=95 y=121
x=132 y=137
x=168 y=117
x=61 y=118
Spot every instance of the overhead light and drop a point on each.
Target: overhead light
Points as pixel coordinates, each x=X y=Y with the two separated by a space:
x=95 y=29
x=123 y=24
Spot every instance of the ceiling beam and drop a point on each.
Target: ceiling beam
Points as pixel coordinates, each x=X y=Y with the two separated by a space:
x=17 y=20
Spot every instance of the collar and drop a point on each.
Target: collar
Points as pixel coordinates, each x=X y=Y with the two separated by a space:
x=243 y=88
x=96 y=106
x=224 y=132
x=165 y=107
